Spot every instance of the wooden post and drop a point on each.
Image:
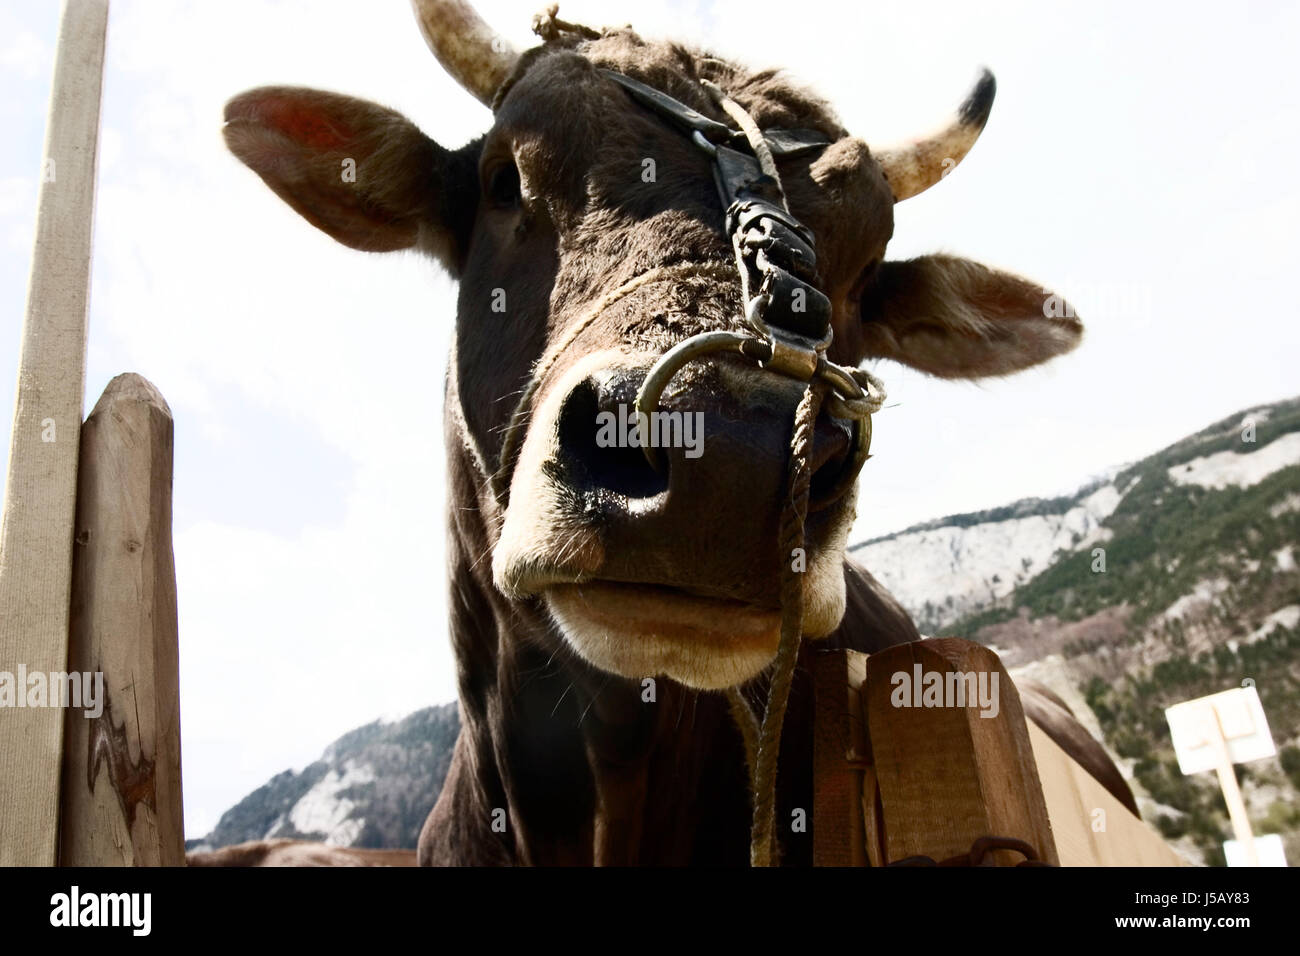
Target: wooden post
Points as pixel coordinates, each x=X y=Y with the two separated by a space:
x=122 y=767
x=839 y=758
x=950 y=773
x=891 y=782
x=900 y=773
x=1231 y=790
x=36 y=528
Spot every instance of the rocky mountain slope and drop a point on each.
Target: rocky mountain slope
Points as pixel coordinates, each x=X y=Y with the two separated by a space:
x=1168 y=579
x=373 y=787
x=1154 y=583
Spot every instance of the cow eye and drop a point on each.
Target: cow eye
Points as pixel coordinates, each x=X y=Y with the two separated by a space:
x=503 y=186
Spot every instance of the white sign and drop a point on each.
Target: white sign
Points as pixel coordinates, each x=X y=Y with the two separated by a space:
x=1195 y=725
x=1269 y=849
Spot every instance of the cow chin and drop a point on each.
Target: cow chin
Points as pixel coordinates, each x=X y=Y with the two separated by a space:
x=639 y=630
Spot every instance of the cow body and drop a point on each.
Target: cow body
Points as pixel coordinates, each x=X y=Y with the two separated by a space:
x=283 y=852
x=577 y=572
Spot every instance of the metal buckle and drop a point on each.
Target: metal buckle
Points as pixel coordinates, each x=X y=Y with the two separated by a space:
x=794 y=356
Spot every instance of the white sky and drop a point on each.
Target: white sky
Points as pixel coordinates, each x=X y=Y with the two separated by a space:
x=1140 y=159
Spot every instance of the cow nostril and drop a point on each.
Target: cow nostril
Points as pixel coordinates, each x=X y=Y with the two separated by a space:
x=593 y=450
x=832 y=457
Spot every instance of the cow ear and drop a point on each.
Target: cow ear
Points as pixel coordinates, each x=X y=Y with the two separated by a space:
x=360 y=172
x=955 y=318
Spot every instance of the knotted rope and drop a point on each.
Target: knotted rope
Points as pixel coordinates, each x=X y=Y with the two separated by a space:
x=762 y=740
x=551 y=28
x=764 y=747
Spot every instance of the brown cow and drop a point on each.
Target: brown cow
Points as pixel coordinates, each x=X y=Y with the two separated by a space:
x=587 y=569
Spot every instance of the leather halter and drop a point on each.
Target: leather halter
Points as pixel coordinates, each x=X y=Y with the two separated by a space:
x=776 y=248
x=790 y=317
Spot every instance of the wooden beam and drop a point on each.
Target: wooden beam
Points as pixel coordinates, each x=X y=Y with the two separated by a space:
x=36 y=528
x=927 y=781
x=952 y=772
x=122 y=767
x=1090 y=826
x=839 y=755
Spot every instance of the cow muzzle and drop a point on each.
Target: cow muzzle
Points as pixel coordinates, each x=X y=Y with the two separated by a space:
x=667 y=563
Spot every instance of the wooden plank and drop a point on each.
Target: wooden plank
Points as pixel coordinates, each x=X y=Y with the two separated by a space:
x=121 y=801
x=39 y=502
x=839 y=745
x=1115 y=837
x=946 y=774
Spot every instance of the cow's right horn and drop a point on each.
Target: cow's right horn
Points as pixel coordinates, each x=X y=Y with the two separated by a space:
x=475 y=55
x=914 y=167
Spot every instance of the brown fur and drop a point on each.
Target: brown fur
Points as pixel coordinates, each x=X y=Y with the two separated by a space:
x=297 y=853
x=583 y=769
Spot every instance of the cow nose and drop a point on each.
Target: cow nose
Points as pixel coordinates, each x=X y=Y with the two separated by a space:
x=599 y=444
x=715 y=439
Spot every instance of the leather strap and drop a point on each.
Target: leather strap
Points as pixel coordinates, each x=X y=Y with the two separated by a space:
x=774 y=249
x=783 y=142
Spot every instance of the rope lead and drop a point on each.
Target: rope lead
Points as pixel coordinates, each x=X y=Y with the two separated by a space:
x=763 y=749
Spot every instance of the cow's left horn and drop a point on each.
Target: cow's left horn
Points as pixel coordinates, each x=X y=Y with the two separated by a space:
x=475 y=55
x=914 y=167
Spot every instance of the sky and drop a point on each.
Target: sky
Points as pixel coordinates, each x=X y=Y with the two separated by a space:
x=1139 y=160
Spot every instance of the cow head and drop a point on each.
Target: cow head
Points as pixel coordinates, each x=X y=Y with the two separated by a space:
x=574 y=193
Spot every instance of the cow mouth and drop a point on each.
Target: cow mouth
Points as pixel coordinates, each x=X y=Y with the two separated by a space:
x=644 y=630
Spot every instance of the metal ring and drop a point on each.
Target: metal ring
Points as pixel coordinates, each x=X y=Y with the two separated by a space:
x=754 y=313
x=840 y=379
x=647 y=398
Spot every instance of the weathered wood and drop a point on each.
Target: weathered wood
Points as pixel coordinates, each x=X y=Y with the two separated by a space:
x=947 y=775
x=1091 y=827
x=36 y=528
x=839 y=753
x=122 y=768
x=932 y=779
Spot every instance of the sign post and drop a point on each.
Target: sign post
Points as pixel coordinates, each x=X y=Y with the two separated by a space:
x=1213 y=733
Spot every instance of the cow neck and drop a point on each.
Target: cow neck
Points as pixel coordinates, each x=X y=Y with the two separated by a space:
x=622 y=780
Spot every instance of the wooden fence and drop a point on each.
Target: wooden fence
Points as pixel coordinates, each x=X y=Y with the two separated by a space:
x=86 y=577
x=108 y=792
x=895 y=782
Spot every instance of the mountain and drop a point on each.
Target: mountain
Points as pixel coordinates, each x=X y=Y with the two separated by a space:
x=373 y=787
x=945 y=569
x=1155 y=582
x=1164 y=580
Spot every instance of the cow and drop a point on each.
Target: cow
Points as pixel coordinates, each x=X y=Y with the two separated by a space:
x=582 y=574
